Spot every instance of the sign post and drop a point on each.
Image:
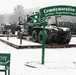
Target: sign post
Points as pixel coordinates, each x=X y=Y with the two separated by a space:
x=20 y=38
x=43 y=43
x=7 y=35
x=51 y=11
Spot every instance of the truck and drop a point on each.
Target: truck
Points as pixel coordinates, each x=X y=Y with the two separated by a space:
x=8 y=27
x=60 y=35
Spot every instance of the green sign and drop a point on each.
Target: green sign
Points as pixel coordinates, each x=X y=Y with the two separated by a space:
x=52 y=11
x=58 y=10
x=35 y=19
x=5 y=61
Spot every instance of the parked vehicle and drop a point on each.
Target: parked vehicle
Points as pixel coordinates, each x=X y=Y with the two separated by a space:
x=60 y=35
x=8 y=27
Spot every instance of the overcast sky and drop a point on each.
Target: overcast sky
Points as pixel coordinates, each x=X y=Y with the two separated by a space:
x=7 y=6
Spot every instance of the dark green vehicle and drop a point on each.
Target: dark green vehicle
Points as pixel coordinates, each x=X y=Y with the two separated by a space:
x=60 y=35
x=8 y=27
x=53 y=34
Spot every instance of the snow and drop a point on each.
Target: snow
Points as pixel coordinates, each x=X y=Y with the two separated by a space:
x=58 y=61
x=65 y=29
x=16 y=41
x=73 y=40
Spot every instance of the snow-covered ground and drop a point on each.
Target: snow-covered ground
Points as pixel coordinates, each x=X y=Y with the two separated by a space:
x=58 y=61
x=16 y=41
x=73 y=40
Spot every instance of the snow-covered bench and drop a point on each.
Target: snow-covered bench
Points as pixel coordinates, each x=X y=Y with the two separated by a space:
x=5 y=63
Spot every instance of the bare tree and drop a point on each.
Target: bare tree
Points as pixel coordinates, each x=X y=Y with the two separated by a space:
x=19 y=11
x=2 y=19
x=12 y=18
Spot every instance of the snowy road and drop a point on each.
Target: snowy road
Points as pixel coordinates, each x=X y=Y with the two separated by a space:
x=61 y=60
